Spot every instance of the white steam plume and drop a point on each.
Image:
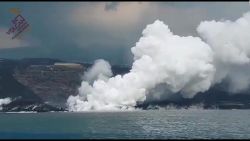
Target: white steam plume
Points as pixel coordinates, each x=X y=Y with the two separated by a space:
x=100 y=70
x=230 y=42
x=170 y=63
x=4 y=101
x=182 y=64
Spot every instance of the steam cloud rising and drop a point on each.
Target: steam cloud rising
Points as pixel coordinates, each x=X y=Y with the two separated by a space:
x=4 y=101
x=186 y=65
x=231 y=45
x=100 y=70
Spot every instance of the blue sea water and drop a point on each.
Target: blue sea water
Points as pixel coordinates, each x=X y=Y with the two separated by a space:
x=151 y=124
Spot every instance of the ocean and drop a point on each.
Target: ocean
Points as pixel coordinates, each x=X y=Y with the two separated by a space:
x=150 y=124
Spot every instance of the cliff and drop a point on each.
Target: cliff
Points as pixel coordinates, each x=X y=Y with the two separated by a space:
x=38 y=84
x=52 y=83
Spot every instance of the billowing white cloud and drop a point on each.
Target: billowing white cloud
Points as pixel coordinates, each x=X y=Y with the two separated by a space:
x=100 y=70
x=172 y=63
x=182 y=64
x=231 y=45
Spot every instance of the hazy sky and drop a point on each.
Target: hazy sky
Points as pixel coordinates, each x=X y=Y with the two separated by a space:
x=84 y=31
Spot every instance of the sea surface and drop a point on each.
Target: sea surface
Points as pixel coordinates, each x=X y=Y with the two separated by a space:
x=151 y=124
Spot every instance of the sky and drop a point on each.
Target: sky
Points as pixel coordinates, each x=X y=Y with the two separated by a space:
x=86 y=31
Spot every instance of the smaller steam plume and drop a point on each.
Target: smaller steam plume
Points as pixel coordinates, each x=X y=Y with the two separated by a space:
x=4 y=101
